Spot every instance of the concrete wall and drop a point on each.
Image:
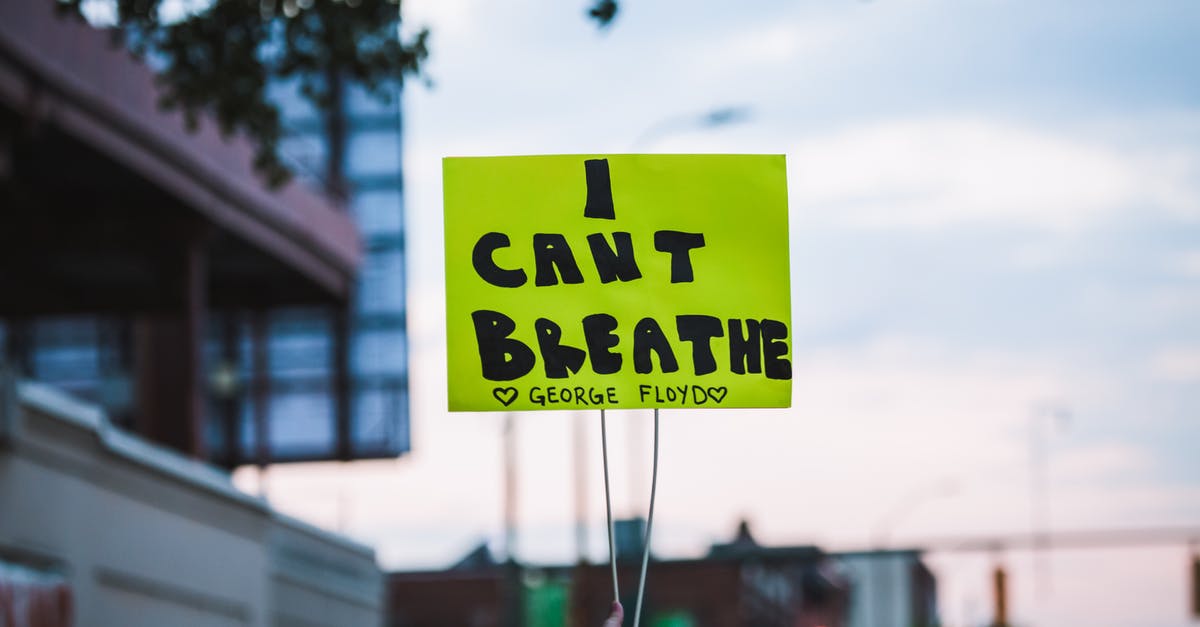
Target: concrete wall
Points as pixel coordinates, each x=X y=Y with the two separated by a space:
x=148 y=538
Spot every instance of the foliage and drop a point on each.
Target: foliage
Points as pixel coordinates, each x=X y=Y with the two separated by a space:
x=603 y=11
x=219 y=60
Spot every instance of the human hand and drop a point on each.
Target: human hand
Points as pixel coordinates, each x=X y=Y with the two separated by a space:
x=618 y=615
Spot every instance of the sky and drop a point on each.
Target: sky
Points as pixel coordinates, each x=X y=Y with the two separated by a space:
x=995 y=240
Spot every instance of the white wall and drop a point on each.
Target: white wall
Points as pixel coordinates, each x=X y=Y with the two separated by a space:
x=148 y=538
x=881 y=593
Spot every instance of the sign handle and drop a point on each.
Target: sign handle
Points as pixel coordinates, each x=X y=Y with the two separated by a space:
x=637 y=613
x=612 y=553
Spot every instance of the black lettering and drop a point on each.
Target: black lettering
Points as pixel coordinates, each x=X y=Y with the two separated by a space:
x=643 y=390
x=648 y=336
x=598 y=333
x=557 y=358
x=485 y=266
x=550 y=250
x=744 y=350
x=774 y=348
x=599 y=202
x=699 y=330
x=502 y=358
x=615 y=262
x=679 y=245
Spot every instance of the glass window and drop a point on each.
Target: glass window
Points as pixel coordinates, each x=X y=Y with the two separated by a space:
x=359 y=101
x=372 y=152
x=66 y=364
x=214 y=429
x=247 y=434
x=66 y=353
x=300 y=344
x=379 y=212
x=300 y=354
x=292 y=104
x=306 y=154
x=381 y=421
x=379 y=352
x=301 y=424
x=381 y=283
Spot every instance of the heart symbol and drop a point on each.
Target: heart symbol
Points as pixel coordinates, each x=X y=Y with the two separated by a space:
x=506 y=395
x=718 y=394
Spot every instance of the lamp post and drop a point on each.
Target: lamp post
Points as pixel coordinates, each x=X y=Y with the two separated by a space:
x=715 y=118
x=882 y=575
x=1043 y=416
x=672 y=125
x=942 y=488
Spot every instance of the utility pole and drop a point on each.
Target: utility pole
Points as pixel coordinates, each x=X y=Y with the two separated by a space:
x=1195 y=582
x=999 y=596
x=1039 y=498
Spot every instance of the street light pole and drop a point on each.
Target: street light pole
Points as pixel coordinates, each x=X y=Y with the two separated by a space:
x=944 y=487
x=714 y=118
x=723 y=116
x=1039 y=493
x=902 y=508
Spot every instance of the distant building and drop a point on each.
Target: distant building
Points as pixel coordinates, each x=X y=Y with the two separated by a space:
x=737 y=584
x=336 y=385
x=889 y=588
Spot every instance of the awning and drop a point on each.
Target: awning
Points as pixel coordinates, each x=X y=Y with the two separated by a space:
x=101 y=191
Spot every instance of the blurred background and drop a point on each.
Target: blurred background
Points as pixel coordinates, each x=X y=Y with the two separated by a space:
x=226 y=393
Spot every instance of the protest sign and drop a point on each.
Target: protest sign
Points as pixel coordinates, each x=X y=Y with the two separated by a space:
x=619 y=281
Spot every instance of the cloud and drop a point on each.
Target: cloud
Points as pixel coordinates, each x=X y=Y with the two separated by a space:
x=1177 y=365
x=939 y=172
x=1102 y=461
x=1185 y=264
x=765 y=46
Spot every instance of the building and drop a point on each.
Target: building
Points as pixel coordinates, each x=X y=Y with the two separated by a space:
x=100 y=528
x=890 y=588
x=283 y=377
x=337 y=378
x=135 y=255
x=737 y=584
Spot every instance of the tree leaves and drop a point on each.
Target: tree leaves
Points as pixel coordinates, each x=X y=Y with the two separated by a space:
x=220 y=60
x=603 y=11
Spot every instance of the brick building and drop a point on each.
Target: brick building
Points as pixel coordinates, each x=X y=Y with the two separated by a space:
x=737 y=584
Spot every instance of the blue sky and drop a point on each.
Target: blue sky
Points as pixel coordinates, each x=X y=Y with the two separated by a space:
x=995 y=206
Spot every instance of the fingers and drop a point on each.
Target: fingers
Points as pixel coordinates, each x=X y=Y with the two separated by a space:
x=618 y=615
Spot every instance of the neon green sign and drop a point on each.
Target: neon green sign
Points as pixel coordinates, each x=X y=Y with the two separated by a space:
x=620 y=281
